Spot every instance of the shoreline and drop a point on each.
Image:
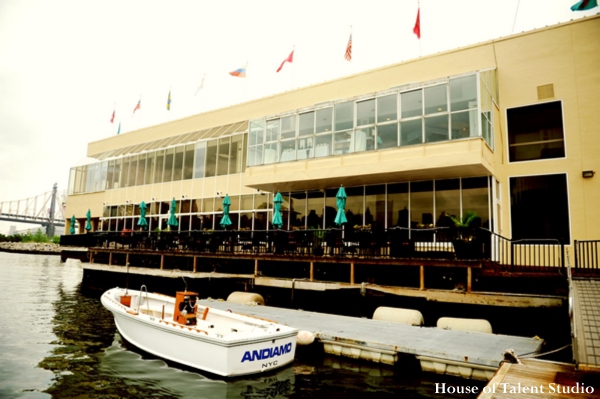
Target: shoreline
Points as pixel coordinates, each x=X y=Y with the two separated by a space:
x=35 y=248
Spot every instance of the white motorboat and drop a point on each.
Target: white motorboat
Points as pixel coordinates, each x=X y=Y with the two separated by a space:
x=217 y=341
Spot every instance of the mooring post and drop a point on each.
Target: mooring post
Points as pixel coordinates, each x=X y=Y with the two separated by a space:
x=422 y=278
x=312 y=271
x=110 y=258
x=162 y=261
x=352 y=273
x=127 y=259
x=91 y=257
x=469 y=279
x=195 y=263
x=256 y=267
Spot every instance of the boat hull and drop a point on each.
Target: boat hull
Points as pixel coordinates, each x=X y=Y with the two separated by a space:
x=218 y=351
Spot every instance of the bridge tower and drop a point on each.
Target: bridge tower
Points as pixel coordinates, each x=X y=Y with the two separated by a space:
x=50 y=226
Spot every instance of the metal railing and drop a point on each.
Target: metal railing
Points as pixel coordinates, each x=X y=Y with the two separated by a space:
x=587 y=255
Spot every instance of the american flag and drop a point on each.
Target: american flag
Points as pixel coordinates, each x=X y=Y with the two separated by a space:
x=138 y=106
x=348 y=55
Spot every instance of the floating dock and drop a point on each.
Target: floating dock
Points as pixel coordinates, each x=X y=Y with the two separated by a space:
x=460 y=353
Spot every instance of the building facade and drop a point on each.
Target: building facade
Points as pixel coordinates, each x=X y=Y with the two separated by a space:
x=506 y=128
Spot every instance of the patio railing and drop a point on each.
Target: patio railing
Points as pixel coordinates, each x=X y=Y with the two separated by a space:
x=396 y=242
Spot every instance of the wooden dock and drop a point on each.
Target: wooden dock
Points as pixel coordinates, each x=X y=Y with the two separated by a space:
x=585 y=323
x=460 y=353
x=540 y=379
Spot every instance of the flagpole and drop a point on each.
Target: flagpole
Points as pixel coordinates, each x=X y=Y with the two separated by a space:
x=419 y=16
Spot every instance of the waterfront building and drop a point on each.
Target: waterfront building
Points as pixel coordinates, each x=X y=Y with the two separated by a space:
x=506 y=128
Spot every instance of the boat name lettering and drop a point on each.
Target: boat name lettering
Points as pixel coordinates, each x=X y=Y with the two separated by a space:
x=267 y=353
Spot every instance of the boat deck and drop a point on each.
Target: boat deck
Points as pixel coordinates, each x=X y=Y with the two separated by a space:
x=432 y=344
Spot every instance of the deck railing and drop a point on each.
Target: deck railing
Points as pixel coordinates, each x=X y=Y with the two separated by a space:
x=587 y=255
x=396 y=242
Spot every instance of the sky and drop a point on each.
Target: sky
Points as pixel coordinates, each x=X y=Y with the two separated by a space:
x=67 y=65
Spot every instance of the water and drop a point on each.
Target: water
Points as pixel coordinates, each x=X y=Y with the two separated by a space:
x=58 y=342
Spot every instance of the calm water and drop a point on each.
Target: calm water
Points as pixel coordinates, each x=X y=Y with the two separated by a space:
x=56 y=342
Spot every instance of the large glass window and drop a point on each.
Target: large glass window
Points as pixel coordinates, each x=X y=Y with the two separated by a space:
x=387 y=136
x=411 y=132
x=223 y=156
x=344 y=116
x=168 y=167
x=178 y=163
x=288 y=127
x=397 y=210
x=435 y=99
x=535 y=132
x=436 y=128
x=149 y=168
x=141 y=170
x=158 y=170
x=365 y=112
x=412 y=103
x=387 y=108
x=421 y=204
x=188 y=162
x=236 y=154
x=323 y=120
x=447 y=201
x=532 y=215
x=211 y=158
x=199 y=163
x=463 y=93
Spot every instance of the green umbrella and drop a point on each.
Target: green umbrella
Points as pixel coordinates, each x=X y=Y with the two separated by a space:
x=172 y=222
x=277 y=201
x=88 y=222
x=225 y=220
x=73 y=221
x=142 y=222
x=341 y=196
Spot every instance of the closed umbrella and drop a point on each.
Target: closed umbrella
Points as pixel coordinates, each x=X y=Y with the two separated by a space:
x=172 y=222
x=225 y=220
x=277 y=201
x=142 y=222
x=73 y=221
x=341 y=196
x=88 y=222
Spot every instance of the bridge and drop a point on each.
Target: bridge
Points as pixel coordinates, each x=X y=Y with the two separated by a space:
x=45 y=209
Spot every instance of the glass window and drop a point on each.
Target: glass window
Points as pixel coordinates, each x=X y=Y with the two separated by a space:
x=355 y=209
x=344 y=116
x=475 y=198
x=447 y=201
x=364 y=139
x=158 y=172
x=298 y=209
x=124 y=174
x=273 y=129
x=341 y=142
x=464 y=124
x=235 y=154
x=288 y=151
x=247 y=202
x=132 y=171
x=178 y=164
x=375 y=207
x=211 y=158
x=271 y=153
x=536 y=132
x=387 y=108
x=323 y=145
x=168 y=167
x=257 y=132
x=110 y=175
x=316 y=202
x=436 y=128
x=387 y=136
x=223 y=156
x=149 y=168
x=306 y=124
x=305 y=148
x=397 y=210
x=435 y=99
x=323 y=120
x=463 y=93
x=208 y=204
x=411 y=132
x=200 y=160
x=288 y=127
x=188 y=162
x=421 y=204
x=412 y=103
x=365 y=112
x=141 y=170
x=532 y=215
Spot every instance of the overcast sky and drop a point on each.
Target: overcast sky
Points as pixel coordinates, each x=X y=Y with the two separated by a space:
x=66 y=65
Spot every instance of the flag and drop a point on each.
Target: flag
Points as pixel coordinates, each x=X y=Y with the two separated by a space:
x=201 y=85
x=119 y=129
x=169 y=101
x=112 y=118
x=138 y=106
x=348 y=55
x=240 y=72
x=417 y=28
x=584 y=5
x=290 y=58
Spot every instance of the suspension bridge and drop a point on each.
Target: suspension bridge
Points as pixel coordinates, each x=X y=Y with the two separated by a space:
x=45 y=209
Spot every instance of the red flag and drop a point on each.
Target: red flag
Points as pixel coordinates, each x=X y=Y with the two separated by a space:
x=417 y=28
x=348 y=55
x=290 y=58
x=138 y=106
x=112 y=118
